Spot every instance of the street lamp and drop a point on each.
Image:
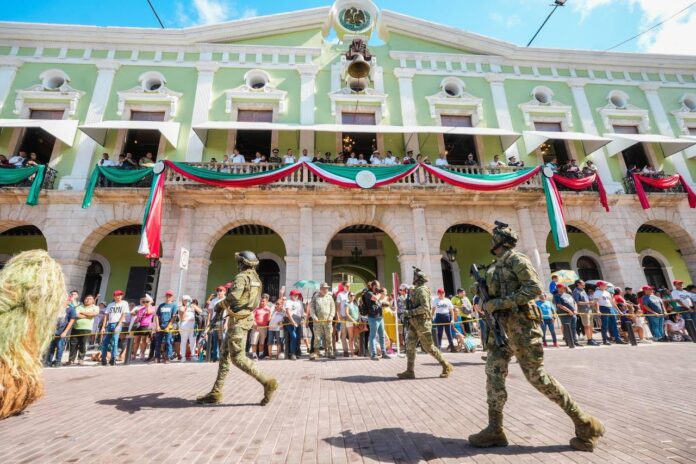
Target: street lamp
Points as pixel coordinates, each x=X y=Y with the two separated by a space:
x=555 y=6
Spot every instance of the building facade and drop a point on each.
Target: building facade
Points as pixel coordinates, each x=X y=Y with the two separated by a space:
x=194 y=95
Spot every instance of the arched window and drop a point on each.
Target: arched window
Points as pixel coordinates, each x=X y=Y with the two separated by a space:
x=269 y=272
x=588 y=269
x=654 y=272
x=447 y=277
x=93 y=279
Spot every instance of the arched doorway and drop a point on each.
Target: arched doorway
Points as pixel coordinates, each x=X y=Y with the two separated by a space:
x=581 y=256
x=588 y=268
x=661 y=256
x=264 y=241
x=463 y=245
x=115 y=264
x=654 y=271
x=18 y=239
x=361 y=253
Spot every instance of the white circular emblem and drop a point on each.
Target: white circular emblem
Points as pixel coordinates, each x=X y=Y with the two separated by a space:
x=158 y=167
x=365 y=179
x=548 y=172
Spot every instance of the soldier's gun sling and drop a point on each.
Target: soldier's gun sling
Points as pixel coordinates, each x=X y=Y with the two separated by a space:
x=492 y=321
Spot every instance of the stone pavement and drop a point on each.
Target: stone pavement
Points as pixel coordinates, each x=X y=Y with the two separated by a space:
x=354 y=410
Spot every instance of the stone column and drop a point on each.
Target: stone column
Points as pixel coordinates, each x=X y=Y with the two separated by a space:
x=170 y=271
x=384 y=279
x=407 y=262
x=577 y=87
x=291 y=272
x=428 y=261
x=106 y=70
x=528 y=244
x=623 y=269
x=663 y=125
x=201 y=107
x=8 y=71
x=305 y=265
x=408 y=106
x=502 y=111
x=308 y=74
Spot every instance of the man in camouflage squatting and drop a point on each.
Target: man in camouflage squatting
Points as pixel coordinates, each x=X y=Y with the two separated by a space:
x=322 y=310
x=239 y=304
x=513 y=284
x=420 y=327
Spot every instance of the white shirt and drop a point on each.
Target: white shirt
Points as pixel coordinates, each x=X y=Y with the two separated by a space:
x=105 y=163
x=238 y=158
x=288 y=159
x=189 y=319
x=496 y=164
x=683 y=296
x=276 y=320
x=442 y=305
x=389 y=161
x=376 y=161
x=362 y=162
x=603 y=298
x=342 y=301
x=441 y=162
x=257 y=160
x=17 y=161
x=305 y=159
x=675 y=326
x=295 y=308
x=115 y=310
x=351 y=161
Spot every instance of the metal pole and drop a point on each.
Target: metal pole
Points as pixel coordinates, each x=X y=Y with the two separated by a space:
x=127 y=349
x=542 y=25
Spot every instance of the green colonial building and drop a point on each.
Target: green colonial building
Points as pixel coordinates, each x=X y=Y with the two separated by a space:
x=348 y=77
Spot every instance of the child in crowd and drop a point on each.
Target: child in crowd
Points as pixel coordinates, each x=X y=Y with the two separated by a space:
x=548 y=313
x=275 y=329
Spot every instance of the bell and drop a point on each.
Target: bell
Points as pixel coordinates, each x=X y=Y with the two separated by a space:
x=359 y=68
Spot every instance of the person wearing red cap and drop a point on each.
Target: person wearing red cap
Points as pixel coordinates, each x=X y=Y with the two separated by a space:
x=655 y=313
x=443 y=313
x=567 y=309
x=111 y=327
x=682 y=299
x=164 y=319
x=608 y=309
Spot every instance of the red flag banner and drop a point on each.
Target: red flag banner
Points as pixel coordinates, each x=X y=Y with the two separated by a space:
x=582 y=184
x=661 y=183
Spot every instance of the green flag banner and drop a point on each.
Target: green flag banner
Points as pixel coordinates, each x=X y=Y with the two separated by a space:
x=11 y=176
x=115 y=175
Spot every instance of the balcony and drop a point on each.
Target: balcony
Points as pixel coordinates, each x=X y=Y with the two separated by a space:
x=630 y=188
x=48 y=183
x=303 y=177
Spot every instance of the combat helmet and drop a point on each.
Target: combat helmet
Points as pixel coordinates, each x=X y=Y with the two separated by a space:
x=503 y=236
x=247 y=259
x=419 y=277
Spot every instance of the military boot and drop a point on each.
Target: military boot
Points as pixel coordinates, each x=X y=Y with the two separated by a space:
x=491 y=436
x=214 y=397
x=269 y=387
x=587 y=435
x=409 y=373
x=447 y=369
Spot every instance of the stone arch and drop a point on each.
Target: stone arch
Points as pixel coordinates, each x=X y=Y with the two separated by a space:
x=92 y=239
x=479 y=217
x=586 y=253
x=681 y=236
x=662 y=259
x=276 y=259
x=589 y=223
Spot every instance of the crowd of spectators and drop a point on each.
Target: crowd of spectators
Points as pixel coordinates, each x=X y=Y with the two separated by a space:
x=20 y=160
x=571 y=168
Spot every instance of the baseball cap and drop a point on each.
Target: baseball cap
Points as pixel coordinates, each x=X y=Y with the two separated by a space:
x=186 y=298
x=169 y=293
x=440 y=290
x=294 y=292
x=647 y=287
x=563 y=285
x=601 y=283
x=220 y=288
x=118 y=293
x=677 y=282
x=460 y=290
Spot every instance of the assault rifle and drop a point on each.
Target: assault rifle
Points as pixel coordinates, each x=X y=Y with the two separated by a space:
x=492 y=321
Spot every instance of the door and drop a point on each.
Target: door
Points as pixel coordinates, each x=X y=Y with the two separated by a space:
x=458 y=147
x=269 y=272
x=141 y=141
x=359 y=142
x=553 y=148
x=38 y=141
x=250 y=141
x=447 y=277
x=93 y=279
x=634 y=155
x=654 y=272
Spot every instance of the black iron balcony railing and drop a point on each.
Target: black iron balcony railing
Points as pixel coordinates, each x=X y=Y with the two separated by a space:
x=630 y=187
x=48 y=182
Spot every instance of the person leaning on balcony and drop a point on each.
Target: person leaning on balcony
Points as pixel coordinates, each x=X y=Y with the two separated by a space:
x=352 y=160
x=361 y=160
x=552 y=164
x=470 y=160
x=275 y=156
x=289 y=157
x=147 y=161
x=33 y=160
x=513 y=162
x=258 y=158
x=19 y=159
x=441 y=160
x=237 y=158
x=589 y=170
x=128 y=162
x=390 y=159
x=4 y=162
x=306 y=157
x=408 y=159
x=376 y=159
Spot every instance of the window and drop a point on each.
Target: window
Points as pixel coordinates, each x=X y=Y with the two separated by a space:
x=255 y=115
x=618 y=98
x=455 y=121
x=38 y=141
x=654 y=272
x=53 y=79
x=141 y=141
x=552 y=148
x=692 y=130
x=248 y=142
x=152 y=81
x=634 y=155
x=256 y=79
x=46 y=114
x=689 y=102
x=359 y=142
x=367 y=119
x=452 y=87
x=457 y=146
x=147 y=116
x=542 y=95
x=588 y=269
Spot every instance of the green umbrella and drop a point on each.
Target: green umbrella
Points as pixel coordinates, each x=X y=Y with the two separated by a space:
x=309 y=284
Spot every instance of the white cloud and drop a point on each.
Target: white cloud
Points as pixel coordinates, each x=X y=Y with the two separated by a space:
x=509 y=22
x=195 y=12
x=672 y=37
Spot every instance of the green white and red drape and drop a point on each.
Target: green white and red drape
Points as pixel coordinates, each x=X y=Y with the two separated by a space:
x=483 y=182
x=346 y=176
x=662 y=183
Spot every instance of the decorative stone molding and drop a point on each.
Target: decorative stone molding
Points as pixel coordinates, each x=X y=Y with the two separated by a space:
x=686 y=115
x=262 y=96
x=628 y=115
x=152 y=92
x=53 y=92
x=404 y=73
x=586 y=253
x=369 y=99
x=453 y=97
x=542 y=104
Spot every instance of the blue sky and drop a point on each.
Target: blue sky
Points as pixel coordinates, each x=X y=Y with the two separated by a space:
x=587 y=24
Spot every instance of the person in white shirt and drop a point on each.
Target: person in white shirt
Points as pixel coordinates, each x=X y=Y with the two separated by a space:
x=215 y=330
x=19 y=159
x=376 y=159
x=258 y=158
x=361 y=160
x=443 y=317
x=442 y=160
x=289 y=158
x=390 y=160
x=352 y=160
x=608 y=309
x=342 y=303
x=305 y=158
x=237 y=158
x=114 y=316
x=294 y=311
x=683 y=299
x=275 y=329
x=187 y=326
x=496 y=163
x=105 y=161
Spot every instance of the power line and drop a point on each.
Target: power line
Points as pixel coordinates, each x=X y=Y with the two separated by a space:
x=555 y=6
x=652 y=27
x=155 y=13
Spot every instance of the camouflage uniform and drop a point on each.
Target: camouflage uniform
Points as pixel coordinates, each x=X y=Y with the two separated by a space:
x=513 y=284
x=420 y=328
x=239 y=305
x=322 y=311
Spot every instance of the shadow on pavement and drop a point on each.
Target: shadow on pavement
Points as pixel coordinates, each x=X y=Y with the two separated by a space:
x=363 y=379
x=133 y=404
x=397 y=445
